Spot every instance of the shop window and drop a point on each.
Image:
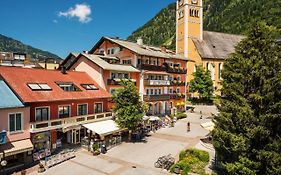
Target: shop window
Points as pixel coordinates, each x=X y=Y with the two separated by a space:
x=82 y=109
x=41 y=114
x=15 y=122
x=64 y=111
x=98 y=107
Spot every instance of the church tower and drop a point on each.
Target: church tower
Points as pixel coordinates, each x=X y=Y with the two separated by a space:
x=189 y=25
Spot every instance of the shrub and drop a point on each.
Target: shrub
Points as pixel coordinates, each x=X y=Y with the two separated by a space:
x=182 y=155
x=181 y=115
x=200 y=154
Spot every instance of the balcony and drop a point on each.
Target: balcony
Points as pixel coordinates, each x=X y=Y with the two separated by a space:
x=157 y=83
x=176 y=70
x=117 y=81
x=151 y=67
x=177 y=96
x=162 y=97
x=177 y=83
x=68 y=122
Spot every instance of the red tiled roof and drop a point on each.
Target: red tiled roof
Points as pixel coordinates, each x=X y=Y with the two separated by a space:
x=17 y=79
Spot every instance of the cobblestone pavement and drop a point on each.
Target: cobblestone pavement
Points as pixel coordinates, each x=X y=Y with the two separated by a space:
x=138 y=158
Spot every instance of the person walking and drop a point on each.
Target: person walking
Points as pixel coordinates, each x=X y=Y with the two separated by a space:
x=188 y=126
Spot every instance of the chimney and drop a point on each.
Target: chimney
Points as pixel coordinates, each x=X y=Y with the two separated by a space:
x=163 y=49
x=140 y=41
x=63 y=70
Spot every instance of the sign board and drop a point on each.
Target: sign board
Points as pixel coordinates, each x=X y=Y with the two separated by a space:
x=3 y=137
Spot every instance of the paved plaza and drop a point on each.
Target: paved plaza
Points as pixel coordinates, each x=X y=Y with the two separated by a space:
x=138 y=158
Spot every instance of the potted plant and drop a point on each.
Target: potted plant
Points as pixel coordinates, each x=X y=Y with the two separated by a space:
x=96 y=150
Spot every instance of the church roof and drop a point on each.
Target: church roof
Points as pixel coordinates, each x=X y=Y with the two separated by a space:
x=217 y=45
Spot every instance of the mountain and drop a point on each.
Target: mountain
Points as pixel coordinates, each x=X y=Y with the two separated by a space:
x=11 y=45
x=228 y=16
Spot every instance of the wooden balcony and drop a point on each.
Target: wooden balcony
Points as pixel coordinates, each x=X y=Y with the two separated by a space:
x=177 y=96
x=68 y=122
x=151 y=67
x=177 y=83
x=162 y=97
x=176 y=70
x=157 y=83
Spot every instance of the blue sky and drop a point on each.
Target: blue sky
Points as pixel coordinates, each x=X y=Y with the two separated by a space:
x=63 y=26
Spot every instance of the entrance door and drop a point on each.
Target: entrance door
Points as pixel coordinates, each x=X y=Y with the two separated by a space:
x=75 y=136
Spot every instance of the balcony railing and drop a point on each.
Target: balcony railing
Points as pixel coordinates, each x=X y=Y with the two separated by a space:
x=157 y=83
x=177 y=96
x=151 y=67
x=177 y=83
x=162 y=97
x=68 y=122
x=117 y=81
x=176 y=70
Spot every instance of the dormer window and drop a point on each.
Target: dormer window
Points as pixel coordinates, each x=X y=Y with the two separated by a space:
x=68 y=86
x=39 y=86
x=89 y=87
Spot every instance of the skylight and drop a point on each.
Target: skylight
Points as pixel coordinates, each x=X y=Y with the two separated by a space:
x=39 y=86
x=68 y=86
x=89 y=87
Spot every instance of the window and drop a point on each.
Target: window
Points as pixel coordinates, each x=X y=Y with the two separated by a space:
x=68 y=87
x=41 y=114
x=98 y=107
x=171 y=91
x=112 y=91
x=119 y=75
x=147 y=91
x=220 y=68
x=178 y=90
x=82 y=109
x=15 y=122
x=64 y=111
x=139 y=61
x=207 y=66
x=181 y=13
x=89 y=87
x=39 y=86
x=127 y=62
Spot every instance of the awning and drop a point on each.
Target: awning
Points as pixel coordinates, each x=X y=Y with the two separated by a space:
x=103 y=128
x=154 y=118
x=156 y=72
x=17 y=147
x=208 y=126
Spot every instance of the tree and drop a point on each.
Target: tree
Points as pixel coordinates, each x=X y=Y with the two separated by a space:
x=128 y=107
x=247 y=135
x=202 y=83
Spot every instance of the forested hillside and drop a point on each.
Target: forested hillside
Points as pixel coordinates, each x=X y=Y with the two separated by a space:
x=228 y=16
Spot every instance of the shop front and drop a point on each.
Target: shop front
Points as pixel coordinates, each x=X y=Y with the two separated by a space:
x=102 y=133
x=42 y=145
x=16 y=155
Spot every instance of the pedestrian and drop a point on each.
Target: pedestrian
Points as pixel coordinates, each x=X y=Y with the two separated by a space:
x=188 y=126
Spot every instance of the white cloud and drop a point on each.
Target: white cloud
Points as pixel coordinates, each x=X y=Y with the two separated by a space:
x=81 y=11
x=55 y=21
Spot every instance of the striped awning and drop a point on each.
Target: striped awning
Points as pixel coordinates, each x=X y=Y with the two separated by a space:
x=16 y=147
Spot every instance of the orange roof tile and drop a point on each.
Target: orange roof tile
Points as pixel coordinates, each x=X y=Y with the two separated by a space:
x=18 y=78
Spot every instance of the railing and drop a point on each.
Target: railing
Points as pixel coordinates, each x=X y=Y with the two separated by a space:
x=177 y=83
x=67 y=122
x=176 y=70
x=157 y=83
x=161 y=97
x=151 y=67
x=117 y=81
x=177 y=96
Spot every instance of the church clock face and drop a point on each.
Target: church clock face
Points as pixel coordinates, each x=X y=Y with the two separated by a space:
x=194 y=1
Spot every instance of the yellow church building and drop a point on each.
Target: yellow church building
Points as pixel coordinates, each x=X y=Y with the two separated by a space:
x=206 y=48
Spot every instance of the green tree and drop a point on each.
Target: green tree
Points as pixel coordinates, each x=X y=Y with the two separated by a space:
x=128 y=107
x=202 y=83
x=247 y=136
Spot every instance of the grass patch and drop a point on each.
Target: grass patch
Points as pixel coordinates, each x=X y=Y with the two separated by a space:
x=191 y=160
x=179 y=115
